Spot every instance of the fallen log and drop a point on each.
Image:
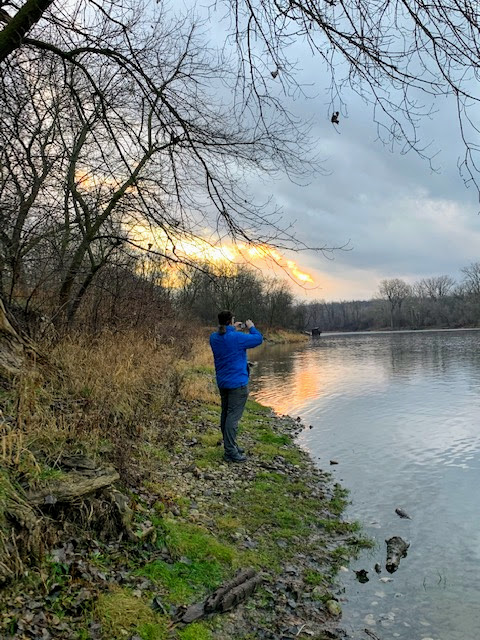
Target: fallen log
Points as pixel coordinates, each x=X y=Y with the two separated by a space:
x=72 y=485
x=233 y=592
x=396 y=550
x=224 y=598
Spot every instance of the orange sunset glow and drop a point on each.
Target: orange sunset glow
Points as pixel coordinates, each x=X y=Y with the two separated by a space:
x=199 y=249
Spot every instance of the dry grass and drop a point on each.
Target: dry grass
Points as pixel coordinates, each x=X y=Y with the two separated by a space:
x=97 y=393
x=198 y=373
x=282 y=336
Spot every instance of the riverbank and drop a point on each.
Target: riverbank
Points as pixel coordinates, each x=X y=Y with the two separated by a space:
x=282 y=336
x=189 y=523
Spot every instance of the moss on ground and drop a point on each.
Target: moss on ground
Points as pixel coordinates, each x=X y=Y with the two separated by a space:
x=191 y=555
x=122 y=614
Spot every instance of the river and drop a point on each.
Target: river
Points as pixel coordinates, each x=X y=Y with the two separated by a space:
x=400 y=413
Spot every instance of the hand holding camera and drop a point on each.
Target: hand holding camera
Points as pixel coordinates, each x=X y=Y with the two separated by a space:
x=241 y=325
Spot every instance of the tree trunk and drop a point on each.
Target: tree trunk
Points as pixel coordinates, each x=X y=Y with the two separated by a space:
x=12 y=347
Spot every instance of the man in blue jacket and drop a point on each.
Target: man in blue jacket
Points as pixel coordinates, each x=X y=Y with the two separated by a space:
x=229 y=346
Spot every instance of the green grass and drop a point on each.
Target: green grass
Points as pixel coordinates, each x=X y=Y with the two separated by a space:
x=339 y=501
x=314 y=578
x=268 y=437
x=195 y=631
x=333 y=525
x=47 y=473
x=272 y=510
x=201 y=561
x=123 y=615
x=182 y=582
x=153 y=630
x=208 y=457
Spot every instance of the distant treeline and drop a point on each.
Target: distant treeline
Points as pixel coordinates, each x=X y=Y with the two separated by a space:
x=436 y=302
x=140 y=290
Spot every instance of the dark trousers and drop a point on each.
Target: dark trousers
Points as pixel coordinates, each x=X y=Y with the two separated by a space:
x=233 y=404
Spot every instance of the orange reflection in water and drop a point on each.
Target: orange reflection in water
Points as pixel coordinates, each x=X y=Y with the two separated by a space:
x=313 y=377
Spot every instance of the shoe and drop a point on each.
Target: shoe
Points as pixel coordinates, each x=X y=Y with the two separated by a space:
x=236 y=458
x=240 y=450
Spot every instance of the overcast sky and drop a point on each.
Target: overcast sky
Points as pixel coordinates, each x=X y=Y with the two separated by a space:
x=399 y=218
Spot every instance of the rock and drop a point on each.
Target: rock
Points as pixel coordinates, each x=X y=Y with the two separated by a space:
x=396 y=550
x=290 y=568
x=333 y=608
x=370 y=620
x=402 y=514
x=362 y=575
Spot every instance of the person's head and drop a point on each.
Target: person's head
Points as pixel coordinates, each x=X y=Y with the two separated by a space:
x=224 y=319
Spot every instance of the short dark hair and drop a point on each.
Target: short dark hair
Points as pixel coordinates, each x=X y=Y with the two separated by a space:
x=225 y=317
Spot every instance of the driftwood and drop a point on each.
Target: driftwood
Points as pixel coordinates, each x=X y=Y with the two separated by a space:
x=396 y=550
x=71 y=486
x=78 y=461
x=124 y=512
x=371 y=634
x=226 y=597
x=233 y=592
x=21 y=524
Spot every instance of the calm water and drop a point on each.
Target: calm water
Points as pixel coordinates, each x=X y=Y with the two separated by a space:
x=401 y=415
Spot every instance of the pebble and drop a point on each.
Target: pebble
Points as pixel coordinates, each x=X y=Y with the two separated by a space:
x=370 y=620
x=334 y=608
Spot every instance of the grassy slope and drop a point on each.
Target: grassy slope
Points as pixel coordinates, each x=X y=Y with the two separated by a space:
x=151 y=410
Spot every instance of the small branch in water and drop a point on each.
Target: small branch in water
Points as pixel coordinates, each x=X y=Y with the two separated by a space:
x=371 y=634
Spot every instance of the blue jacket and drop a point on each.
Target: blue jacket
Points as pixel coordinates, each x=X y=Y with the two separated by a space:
x=230 y=355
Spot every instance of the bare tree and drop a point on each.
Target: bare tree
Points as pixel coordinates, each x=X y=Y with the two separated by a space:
x=436 y=287
x=471 y=279
x=277 y=301
x=141 y=135
x=398 y=55
x=148 y=131
x=394 y=291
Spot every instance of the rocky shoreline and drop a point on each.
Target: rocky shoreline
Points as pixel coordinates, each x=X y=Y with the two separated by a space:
x=289 y=605
x=202 y=520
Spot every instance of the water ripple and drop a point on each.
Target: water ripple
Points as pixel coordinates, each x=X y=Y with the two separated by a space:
x=400 y=414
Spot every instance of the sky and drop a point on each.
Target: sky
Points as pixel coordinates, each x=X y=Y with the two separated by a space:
x=396 y=217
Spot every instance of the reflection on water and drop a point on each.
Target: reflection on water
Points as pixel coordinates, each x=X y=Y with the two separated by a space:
x=400 y=412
